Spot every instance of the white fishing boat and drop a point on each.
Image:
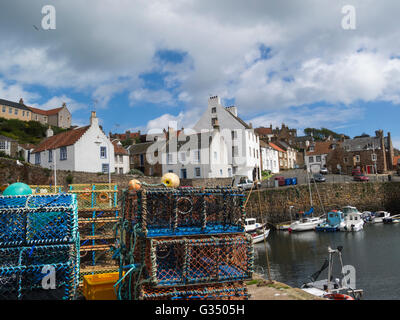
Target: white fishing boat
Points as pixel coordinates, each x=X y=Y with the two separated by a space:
x=332 y=288
x=257 y=230
x=353 y=221
x=305 y=224
x=251 y=224
x=259 y=237
x=379 y=216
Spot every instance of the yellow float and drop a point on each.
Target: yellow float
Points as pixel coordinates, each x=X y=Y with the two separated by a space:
x=170 y=180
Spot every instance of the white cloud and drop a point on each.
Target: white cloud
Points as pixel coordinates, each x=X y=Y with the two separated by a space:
x=101 y=48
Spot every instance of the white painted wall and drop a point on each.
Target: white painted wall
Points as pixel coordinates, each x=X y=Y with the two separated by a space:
x=270 y=159
x=315 y=166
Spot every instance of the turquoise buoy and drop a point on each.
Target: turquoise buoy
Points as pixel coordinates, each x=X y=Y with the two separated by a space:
x=17 y=189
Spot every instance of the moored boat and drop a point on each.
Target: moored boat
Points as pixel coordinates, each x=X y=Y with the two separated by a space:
x=305 y=224
x=352 y=219
x=379 y=216
x=257 y=230
x=333 y=223
x=332 y=288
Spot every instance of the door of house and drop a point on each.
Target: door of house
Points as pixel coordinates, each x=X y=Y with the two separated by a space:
x=183 y=174
x=369 y=169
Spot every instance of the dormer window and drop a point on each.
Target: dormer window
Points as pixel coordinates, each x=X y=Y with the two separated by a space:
x=214 y=110
x=312 y=148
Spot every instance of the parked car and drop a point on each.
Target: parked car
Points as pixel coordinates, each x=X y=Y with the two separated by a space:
x=323 y=171
x=246 y=184
x=318 y=178
x=360 y=177
x=356 y=172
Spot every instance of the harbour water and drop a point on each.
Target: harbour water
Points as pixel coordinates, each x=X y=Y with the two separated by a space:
x=374 y=252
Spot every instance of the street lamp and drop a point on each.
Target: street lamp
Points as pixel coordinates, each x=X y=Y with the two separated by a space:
x=98 y=142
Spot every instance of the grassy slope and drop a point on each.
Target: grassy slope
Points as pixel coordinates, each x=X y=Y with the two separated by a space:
x=25 y=131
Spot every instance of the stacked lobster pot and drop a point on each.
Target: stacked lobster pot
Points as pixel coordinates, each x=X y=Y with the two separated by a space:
x=185 y=243
x=39 y=247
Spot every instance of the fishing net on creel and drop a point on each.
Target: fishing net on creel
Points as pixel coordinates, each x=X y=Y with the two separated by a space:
x=38 y=219
x=185 y=211
x=172 y=262
x=218 y=291
x=22 y=272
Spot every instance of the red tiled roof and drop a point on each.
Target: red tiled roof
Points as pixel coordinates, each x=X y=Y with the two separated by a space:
x=320 y=147
x=263 y=131
x=396 y=160
x=118 y=149
x=63 y=139
x=45 y=112
x=273 y=145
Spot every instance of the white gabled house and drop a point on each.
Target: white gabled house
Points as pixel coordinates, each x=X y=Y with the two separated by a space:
x=85 y=149
x=196 y=155
x=242 y=144
x=121 y=158
x=269 y=157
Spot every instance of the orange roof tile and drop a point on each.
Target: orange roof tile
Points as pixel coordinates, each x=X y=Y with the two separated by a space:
x=45 y=112
x=63 y=139
x=273 y=145
x=119 y=149
x=396 y=160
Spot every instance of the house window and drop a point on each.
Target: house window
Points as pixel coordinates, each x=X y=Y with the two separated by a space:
x=4 y=109
x=50 y=155
x=374 y=157
x=151 y=171
x=215 y=155
x=214 y=110
x=345 y=160
x=357 y=158
x=311 y=148
x=311 y=159
x=37 y=158
x=23 y=113
x=16 y=111
x=229 y=172
x=63 y=153
x=197 y=155
x=141 y=157
x=10 y=110
x=318 y=159
x=169 y=158
x=183 y=156
x=249 y=151
x=103 y=152
x=214 y=121
x=121 y=170
x=104 y=168
x=197 y=172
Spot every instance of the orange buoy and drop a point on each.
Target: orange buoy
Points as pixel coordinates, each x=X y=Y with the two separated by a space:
x=135 y=185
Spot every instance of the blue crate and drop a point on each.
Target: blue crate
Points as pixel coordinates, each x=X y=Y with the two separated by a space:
x=38 y=219
x=185 y=211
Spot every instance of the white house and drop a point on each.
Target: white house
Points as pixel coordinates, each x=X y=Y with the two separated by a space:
x=316 y=154
x=240 y=141
x=196 y=155
x=85 y=149
x=269 y=158
x=121 y=158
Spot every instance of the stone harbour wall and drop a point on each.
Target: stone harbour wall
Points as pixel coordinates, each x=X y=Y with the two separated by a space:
x=276 y=202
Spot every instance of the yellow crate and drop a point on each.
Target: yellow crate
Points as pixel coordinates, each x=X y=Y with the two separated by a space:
x=100 y=286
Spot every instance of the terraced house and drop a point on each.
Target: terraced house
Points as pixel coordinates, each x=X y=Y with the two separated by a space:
x=59 y=117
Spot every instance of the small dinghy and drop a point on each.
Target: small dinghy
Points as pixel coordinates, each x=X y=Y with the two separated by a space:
x=257 y=230
x=330 y=289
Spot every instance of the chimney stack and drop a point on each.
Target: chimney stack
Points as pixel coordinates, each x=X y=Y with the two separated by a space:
x=93 y=119
x=21 y=101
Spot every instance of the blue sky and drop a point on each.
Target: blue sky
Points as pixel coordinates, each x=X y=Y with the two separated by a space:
x=141 y=64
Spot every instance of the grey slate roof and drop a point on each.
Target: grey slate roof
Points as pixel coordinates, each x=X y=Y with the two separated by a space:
x=360 y=144
x=14 y=104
